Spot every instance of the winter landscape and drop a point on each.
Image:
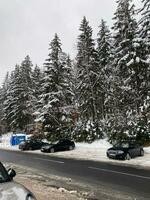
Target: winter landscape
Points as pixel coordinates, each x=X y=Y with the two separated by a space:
x=77 y=125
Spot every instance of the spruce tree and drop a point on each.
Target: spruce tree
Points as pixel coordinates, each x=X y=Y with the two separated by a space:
x=67 y=76
x=145 y=23
x=88 y=84
x=27 y=84
x=55 y=92
x=142 y=45
x=18 y=104
x=123 y=94
x=144 y=34
x=104 y=49
x=37 y=86
x=12 y=103
x=3 y=96
x=2 y=127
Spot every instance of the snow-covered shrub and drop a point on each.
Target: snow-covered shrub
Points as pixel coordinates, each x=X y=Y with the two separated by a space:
x=139 y=131
x=87 y=132
x=142 y=132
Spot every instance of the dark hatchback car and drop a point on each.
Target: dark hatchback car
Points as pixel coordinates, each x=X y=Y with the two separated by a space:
x=31 y=145
x=9 y=189
x=61 y=145
x=125 y=150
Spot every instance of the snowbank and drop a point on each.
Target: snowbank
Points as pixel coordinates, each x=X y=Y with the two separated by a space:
x=102 y=144
x=147 y=149
x=95 y=151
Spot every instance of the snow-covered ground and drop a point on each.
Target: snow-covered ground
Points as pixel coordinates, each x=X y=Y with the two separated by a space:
x=95 y=151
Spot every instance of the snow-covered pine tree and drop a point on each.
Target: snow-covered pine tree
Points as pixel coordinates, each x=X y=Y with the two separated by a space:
x=104 y=44
x=12 y=102
x=67 y=77
x=104 y=49
x=1 y=108
x=7 y=101
x=145 y=24
x=124 y=95
x=142 y=74
x=37 y=86
x=3 y=96
x=74 y=82
x=18 y=104
x=144 y=33
x=87 y=68
x=27 y=84
x=55 y=92
x=26 y=71
x=3 y=127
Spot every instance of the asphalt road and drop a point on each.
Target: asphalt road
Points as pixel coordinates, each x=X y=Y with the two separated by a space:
x=132 y=181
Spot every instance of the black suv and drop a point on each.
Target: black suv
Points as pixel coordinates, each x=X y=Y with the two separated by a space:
x=125 y=150
x=61 y=145
x=31 y=145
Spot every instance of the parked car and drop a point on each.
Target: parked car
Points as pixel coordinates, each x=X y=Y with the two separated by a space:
x=61 y=145
x=125 y=150
x=31 y=145
x=10 y=189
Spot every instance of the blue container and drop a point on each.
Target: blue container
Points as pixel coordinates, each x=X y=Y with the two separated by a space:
x=17 y=139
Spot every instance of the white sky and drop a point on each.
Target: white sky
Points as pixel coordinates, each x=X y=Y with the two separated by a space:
x=27 y=26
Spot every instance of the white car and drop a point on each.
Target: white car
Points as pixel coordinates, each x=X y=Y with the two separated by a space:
x=9 y=189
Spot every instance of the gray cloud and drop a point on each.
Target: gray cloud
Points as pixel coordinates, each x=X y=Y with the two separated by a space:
x=27 y=26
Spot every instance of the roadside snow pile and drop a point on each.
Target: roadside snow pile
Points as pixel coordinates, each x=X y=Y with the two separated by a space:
x=93 y=151
x=147 y=149
x=5 y=140
x=98 y=144
x=96 y=151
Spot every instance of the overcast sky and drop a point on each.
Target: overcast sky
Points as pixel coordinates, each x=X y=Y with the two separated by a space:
x=27 y=26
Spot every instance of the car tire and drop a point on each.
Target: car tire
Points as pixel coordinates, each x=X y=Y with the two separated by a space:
x=71 y=148
x=30 y=197
x=142 y=152
x=127 y=157
x=52 y=150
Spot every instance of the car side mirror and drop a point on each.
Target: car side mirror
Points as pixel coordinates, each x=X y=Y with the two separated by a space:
x=11 y=173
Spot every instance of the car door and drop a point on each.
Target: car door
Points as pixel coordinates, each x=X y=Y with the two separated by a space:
x=66 y=144
x=132 y=150
x=62 y=145
x=137 y=149
x=33 y=145
x=38 y=145
x=29 y=144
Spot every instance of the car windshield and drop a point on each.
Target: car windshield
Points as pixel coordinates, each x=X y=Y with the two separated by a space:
x=3 y=174
x=122 y=145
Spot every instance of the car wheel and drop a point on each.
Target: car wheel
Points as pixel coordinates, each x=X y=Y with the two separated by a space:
x=142 y=152
x=30 y=197
x=70 y=148
x=52 y=150
x=127 y=157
